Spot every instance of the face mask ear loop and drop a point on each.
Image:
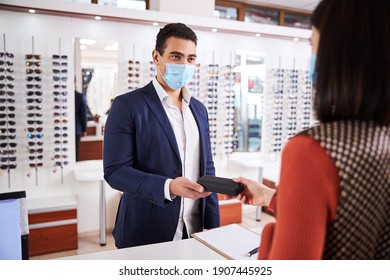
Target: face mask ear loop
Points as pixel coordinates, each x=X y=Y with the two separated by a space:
x=158 y=68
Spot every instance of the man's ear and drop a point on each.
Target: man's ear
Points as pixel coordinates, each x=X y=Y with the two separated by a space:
x=156 y=57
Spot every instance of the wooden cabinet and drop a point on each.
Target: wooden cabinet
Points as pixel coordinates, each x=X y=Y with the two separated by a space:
x=52 y=226
x=90 y=150
x=230 y=211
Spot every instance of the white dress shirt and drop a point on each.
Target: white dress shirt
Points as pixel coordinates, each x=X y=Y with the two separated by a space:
x=187 y=138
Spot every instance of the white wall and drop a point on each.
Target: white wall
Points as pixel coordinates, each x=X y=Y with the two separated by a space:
x=135 y=40
x=186 y=7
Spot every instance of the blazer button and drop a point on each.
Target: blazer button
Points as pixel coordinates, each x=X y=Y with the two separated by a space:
x=178 y=172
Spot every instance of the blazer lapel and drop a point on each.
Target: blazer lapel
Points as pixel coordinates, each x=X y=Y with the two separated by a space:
x=154 y=103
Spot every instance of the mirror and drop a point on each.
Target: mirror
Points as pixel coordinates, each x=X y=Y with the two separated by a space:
x=97 y=73
x=250 y=77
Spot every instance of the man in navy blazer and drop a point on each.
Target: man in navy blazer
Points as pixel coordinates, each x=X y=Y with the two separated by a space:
x=156 y=146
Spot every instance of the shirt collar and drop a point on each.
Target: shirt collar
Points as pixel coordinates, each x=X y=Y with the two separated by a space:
x=162 y=94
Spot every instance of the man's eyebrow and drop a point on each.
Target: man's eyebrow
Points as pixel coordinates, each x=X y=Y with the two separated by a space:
x=182 y=54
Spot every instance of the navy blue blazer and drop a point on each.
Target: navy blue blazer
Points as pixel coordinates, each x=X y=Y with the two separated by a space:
x=140 y=154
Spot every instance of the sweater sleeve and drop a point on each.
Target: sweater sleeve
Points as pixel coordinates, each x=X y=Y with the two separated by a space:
x=307 y=200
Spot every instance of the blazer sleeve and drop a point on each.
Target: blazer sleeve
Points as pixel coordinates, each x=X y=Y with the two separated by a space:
x=118 y=160
x=212 y=217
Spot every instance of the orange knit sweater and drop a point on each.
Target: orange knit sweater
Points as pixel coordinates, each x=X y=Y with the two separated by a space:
x=307 y=199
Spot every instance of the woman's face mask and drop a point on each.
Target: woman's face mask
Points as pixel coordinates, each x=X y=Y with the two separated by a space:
x=177 y=75
x=315 y=38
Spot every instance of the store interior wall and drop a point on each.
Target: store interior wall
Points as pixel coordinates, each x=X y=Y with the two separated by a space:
x=135 y=41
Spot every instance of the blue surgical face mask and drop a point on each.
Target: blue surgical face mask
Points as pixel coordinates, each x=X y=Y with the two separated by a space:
x=312 y=69
x=177 y=75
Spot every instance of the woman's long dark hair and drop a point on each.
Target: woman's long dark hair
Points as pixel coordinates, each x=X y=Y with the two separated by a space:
x=353 y=60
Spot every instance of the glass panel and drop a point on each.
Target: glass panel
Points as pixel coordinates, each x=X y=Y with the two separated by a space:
x=128 y=4
x=298 y=21
x=261 y=16
x=225 y=12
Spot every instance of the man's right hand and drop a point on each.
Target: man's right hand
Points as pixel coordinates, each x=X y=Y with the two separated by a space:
x=184 y=187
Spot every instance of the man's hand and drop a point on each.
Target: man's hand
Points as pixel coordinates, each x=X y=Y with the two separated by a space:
x=184 y=187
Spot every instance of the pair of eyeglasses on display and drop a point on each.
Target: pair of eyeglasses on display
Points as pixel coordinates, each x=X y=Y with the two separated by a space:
x=6 y=55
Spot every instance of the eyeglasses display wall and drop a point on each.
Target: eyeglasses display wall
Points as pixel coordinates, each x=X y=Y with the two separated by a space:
x=7 y=113
x=287 y=105
x=29 y=138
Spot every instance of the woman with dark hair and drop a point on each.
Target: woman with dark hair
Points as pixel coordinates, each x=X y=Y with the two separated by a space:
x=333 y=200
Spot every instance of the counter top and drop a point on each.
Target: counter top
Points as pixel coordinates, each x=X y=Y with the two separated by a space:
x=52 y=203
x=188 y=249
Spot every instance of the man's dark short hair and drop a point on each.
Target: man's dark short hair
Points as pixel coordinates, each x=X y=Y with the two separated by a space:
x=177 y=30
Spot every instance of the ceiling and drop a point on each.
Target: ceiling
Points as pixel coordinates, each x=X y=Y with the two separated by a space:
x=308 y=5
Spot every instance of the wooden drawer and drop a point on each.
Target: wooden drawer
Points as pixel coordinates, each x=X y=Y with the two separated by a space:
x=90 y=150
x=52 y=231
x=52 y=239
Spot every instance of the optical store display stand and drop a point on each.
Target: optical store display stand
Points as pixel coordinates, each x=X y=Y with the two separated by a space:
x=92 y=170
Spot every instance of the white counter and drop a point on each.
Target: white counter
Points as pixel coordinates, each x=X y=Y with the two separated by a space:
x=188 y=249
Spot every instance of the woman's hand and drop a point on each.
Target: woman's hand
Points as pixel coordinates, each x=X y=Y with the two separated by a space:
x=254 y=193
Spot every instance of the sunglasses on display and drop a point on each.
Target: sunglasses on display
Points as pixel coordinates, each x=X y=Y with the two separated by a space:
x=59 y=86
x=56 y=93
x=10 y=130
x=8 y=159
x=9 y=70
x=33 y=144
x=56 y=78
x=64 y=128
x=32 y=129
x=9 y=108
x=56 y=107
x=31 y=71
x=5 y=54
x=36 y=164
x=7 y=116
x=37 y=93
x=31 y=136
x=56 y=99
x=33 y=63
x=57 y=121
x=11 y=86
x=30 y=78
x=38 y=107
x=7 y=100
x=33 y=56
x=7 y=166
x=35 y=157
x=11 y=144
x=57 y=135
x=8 y=63
x=34 y=100
x=57 y=71
x=30 y=86
x=58 y=142
x=9 y=78
x=32 y=115
x=55 y=63
x=56 y=56
x=7 y=123
x=60 y=156
x=33 y=151
x=4 y=137
x=57 y=114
